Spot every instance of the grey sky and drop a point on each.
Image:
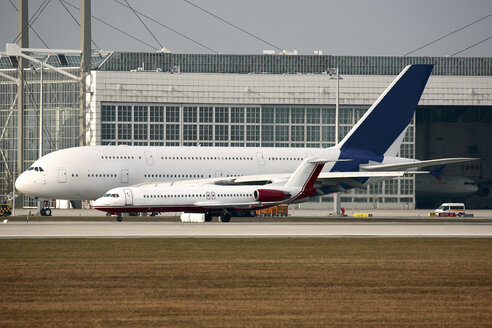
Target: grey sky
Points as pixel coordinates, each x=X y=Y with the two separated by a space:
x=341 y=27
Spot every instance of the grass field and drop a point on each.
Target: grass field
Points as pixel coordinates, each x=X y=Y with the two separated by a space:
x=245 y=282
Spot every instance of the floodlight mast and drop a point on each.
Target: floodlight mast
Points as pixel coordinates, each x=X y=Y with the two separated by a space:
x=85 y=64
x=335 y=74
x=24 y=43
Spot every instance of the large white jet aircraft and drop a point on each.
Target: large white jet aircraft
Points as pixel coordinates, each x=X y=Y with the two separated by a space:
x=212 y=198
x=366 y=154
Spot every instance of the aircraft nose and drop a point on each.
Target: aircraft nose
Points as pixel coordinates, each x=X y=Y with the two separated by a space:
x=23 y=184
x=97 y=202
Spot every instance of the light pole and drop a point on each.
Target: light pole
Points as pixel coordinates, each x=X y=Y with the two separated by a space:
x=41 y=111
x=335 y=74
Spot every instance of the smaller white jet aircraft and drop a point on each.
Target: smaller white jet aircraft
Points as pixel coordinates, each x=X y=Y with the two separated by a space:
x=211 y=198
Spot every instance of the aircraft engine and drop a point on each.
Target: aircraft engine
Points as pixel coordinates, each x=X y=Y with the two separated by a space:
x=270 y=195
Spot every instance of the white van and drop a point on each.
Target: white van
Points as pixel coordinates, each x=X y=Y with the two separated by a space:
x=448 y=208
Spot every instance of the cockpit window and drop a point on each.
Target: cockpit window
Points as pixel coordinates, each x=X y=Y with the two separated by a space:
x=30 y=169
x=41 y=169
x=36 y=168
x=111 y=195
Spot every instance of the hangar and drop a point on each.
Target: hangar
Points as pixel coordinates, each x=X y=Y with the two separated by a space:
x=268 y=100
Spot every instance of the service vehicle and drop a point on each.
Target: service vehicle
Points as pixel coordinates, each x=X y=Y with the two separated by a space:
x=451 y=209
x=5 y=210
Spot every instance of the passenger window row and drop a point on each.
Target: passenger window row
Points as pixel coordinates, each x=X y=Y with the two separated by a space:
x=206 y=158
x=173 y=176
x=195 y=195
x=182 y=175
x=102 y=175
x=118 y=157
x=284 y=159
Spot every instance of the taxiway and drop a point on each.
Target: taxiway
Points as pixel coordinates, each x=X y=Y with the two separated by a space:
x=241 y=230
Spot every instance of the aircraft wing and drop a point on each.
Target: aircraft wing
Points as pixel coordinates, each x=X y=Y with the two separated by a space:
x=325 y=178
x=416 y=164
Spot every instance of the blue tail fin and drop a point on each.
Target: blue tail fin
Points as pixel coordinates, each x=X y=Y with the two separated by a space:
x=383 y=124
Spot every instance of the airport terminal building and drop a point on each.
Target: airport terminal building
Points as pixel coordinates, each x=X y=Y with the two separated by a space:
x=166 y=99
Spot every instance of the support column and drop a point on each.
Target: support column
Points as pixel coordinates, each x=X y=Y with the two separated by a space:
x=85 y=64
x=23 y=43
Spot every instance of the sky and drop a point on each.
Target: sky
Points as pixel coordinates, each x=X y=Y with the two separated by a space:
x=337 y=27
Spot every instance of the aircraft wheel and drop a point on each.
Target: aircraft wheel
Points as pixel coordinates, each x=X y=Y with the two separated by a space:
x=119 y=219
x=41 y=211
x=460 y=214
x=47 y=212
x=224 y=217
x=208 y=217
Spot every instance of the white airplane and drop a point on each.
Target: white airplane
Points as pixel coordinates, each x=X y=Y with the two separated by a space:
x=368 y=153
x=449 y=187
x=211 y=198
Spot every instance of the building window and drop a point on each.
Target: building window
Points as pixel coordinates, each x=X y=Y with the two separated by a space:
x=282 y=133
x=140 y=114
x=206 y=132
x=108 y=131
x=253 y=132
x=221 y=132
x=391 y=187
x=406 y=187
x=267 y=133
x=172 y=132
x=140 y=132
x=124 y=113
x=267 y=115
x=312 y=133
x=206 y=114
x=282 y=115
x=237 y=132
x=252 y=115
x=172 y=114
x=221 y=115
x=298 y=133
x=346 y=116
x=157 y=113
x=189 y=132
x=328 y=134
x=108 y=113
x=156 y=132
x=328 y=115
x=124 y=131
x=237 y=114
x=313 y=116
x=298 y=116
x=189 y=114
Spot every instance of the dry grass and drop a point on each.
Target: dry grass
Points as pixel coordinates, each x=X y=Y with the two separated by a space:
x=245 y=282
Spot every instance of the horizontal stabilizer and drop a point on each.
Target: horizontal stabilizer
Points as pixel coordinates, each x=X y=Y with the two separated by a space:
x=416 y=164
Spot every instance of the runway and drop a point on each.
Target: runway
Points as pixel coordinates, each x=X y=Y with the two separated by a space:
x=21 y=230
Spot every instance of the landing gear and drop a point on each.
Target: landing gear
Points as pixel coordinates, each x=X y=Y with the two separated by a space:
x=44 y=208
x=119 y=218
x=225 y=217
x=208 y=217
